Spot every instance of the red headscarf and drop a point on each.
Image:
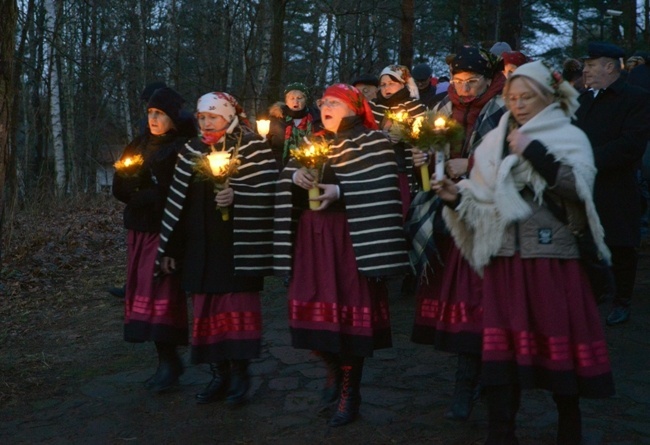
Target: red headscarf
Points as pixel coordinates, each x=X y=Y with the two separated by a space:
x=354 y=99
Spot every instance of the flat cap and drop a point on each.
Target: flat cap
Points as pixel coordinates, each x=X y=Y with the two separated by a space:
x=421 y=71
x=596 y=50
x=365 y=79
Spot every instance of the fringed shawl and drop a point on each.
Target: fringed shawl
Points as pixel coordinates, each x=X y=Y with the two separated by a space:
x=491 y=199
x=366 y=170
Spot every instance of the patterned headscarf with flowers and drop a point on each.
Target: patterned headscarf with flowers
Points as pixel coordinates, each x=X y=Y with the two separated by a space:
x=354 y=99
x=225 y=106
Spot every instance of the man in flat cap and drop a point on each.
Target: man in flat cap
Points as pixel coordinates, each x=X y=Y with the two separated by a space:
x=615 y=117
x=368 y=84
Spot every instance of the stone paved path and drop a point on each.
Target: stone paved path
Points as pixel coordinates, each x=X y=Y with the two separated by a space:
x=405 y=390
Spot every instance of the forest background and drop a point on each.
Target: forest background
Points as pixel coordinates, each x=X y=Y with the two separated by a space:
x=71 y=71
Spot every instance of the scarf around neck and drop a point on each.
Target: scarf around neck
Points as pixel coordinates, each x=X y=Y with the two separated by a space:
x=491 y=197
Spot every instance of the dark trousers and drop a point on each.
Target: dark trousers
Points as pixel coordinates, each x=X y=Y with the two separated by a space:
x=624 y=262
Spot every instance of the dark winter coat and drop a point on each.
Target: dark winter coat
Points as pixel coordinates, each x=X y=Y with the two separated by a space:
x=283 y=133
x=219 y=256
x=617 y=123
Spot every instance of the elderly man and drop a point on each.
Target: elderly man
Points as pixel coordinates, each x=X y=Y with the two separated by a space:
x=616 y=117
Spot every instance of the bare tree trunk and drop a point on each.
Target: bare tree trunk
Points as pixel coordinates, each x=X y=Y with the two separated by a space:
x=9 y=13
x=55 y=99
x=406 y=36
x=646 y=22
x=277 y=49
x=511 y=22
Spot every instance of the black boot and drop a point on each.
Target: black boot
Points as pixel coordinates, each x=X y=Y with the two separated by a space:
x=503 y=404
x=465 y=387
x=350 y=396
x=218 y=386
x=330 y=392
x=239 y=382
x=170 y=368
x=569 y=419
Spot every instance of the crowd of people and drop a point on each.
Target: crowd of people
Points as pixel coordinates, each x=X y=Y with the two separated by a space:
x=542 y=186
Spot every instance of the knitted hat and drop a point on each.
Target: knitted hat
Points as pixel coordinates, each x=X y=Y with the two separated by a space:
x=499 y=48
x=514 y=58
x=422 y=71
x=150 y=89
x=168 y=101
x=473 y=60
x=225 y=106
x=297 y=86
x=401 y=74
x=354 y=99
x=552 y=82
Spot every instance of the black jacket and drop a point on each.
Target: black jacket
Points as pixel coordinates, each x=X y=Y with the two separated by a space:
x=617 y=123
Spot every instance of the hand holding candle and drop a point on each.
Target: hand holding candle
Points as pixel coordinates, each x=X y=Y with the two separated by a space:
x=312 y=156
x=218 y=166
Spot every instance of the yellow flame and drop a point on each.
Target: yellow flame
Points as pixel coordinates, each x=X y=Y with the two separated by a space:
x=440 y=123
x=219 y=161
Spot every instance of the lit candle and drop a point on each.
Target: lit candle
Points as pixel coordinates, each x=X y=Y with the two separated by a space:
x=439 y=124
x=263 y=127
x=313 y=192
x=218 y=162
x=128 y=161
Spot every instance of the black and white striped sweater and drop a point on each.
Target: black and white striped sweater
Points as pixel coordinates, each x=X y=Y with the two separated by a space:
x=364 y=164
x=253 y=204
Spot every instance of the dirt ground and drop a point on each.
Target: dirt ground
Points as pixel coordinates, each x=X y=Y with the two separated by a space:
x=67 y=377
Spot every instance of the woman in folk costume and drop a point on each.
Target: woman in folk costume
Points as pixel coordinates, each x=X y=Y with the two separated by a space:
x=399 y=93
x=155 y=309
x=338 y=254
x=291 y=121
x=222 y=260
x=448 y=311
x=541 y=327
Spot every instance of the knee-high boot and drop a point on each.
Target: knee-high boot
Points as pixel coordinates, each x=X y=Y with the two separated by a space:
x=218 y=386
x=239 y=382
x=467 y=374
x=170 y=368
x=349 y=393
x=330 y=392
x=569 y=419
x=503 y=404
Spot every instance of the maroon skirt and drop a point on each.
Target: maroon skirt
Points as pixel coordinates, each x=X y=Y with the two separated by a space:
x=449 y=314
x=541 y=327
x=226 y=327
x=332 y=307
x=155 y=308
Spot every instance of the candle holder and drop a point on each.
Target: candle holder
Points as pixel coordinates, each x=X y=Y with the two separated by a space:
x=263 y=127
x=313 y=156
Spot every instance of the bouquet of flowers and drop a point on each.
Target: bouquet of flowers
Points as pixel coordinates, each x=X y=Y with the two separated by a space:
x=312 y=156
x=428 y=132
x=129 y=166
x=218 y=166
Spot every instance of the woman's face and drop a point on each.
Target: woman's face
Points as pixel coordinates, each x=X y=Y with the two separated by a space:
x=468 y=84
x=332 y=112
x=159 y=122
x=523 y=102
x=211 y=123
x=295 y=100
x=388 y=86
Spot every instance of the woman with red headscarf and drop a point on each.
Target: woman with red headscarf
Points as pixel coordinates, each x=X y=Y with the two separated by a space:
x=339 y=254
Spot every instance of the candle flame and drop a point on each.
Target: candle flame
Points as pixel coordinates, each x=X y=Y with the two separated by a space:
x=219 y=161
x=417 y=125
x=128 y=161
x=440 y=123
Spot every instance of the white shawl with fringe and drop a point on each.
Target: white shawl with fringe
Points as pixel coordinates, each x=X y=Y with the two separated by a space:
x=491 y=199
